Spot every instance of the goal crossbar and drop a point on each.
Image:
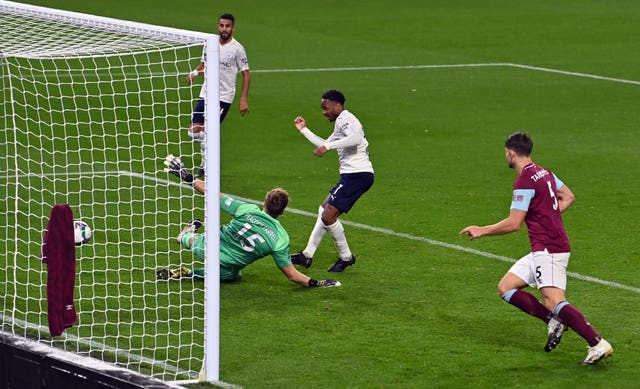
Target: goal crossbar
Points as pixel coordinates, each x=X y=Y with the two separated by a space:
x=159 y=33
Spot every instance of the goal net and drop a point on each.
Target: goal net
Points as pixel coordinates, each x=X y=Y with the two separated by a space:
x=90 y=108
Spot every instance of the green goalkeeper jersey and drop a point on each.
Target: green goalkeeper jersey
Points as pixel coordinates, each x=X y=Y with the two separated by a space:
x=249 y=236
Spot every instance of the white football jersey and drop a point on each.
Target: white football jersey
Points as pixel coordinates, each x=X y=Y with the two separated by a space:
x=233 y=59
x=353 y=159
x=349 y=140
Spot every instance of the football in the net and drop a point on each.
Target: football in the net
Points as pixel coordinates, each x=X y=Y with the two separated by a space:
x=82 y=232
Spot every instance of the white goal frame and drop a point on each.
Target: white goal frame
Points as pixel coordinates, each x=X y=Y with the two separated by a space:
x=210 y=363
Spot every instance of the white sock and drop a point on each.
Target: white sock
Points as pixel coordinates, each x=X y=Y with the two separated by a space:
x=203 y=149
x=197 y=136
x=337 y=233
x=316 y=235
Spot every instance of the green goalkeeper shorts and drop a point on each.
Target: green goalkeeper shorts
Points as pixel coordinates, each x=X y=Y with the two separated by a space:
x=197 y=248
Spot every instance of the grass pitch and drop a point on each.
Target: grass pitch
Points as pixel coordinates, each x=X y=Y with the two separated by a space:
x=418 y=309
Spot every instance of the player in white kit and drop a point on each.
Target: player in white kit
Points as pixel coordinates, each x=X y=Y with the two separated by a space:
x=232 y=60
x=356 y=177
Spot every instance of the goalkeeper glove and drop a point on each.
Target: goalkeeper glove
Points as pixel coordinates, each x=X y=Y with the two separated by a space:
x=323 y=283
x=176 y=167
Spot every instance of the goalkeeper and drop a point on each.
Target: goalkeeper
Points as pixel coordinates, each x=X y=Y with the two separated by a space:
x=251 y=234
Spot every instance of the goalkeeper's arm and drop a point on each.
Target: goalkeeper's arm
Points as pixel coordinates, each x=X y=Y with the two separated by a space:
x=198 y=185
x=294 y=275
x=176 y=167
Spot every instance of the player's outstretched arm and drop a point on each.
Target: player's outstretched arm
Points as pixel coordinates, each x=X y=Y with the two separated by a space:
x=294 y=275
x=301 y=126
x=505 y=226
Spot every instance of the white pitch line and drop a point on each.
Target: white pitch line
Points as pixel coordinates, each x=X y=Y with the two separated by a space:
x=391 y=67
x=409 y=67
x=456 y=247
x=368 y=68
x=575 y=74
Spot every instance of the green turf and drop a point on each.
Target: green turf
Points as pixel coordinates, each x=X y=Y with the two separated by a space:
x=412 y=314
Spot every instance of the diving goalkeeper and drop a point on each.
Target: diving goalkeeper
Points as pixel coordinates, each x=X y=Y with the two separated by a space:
x=251 y=234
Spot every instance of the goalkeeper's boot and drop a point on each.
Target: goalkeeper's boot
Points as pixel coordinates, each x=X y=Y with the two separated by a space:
x=341 y=264
x=556 y=329
x=301 y=259
x=193 y=226
x=598 y=352
x=167 y=274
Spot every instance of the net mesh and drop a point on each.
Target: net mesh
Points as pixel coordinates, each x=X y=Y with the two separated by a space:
x=90 y=108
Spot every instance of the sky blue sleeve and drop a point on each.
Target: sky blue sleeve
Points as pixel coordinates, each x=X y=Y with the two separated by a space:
x=521 y=199
x=559 y=183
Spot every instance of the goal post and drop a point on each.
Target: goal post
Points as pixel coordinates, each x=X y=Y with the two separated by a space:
x=212 y=206
x=90 y=107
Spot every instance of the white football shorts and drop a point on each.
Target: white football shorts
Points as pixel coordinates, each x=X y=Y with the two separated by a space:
x=541 y=268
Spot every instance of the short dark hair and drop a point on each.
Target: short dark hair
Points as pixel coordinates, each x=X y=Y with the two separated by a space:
x=334 y=95
x=276 y=201
x=228 y=17
x=520 y=142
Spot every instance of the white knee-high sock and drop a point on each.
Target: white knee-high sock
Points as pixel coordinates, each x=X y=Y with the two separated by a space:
x=316 y=235
x=337 y=233
x=197 y=136
x=203 y=149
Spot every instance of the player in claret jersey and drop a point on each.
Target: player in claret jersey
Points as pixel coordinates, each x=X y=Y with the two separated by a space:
x=539 y=198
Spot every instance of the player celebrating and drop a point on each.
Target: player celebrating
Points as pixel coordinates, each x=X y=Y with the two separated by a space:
x=539 y=198
x=251 y=234
x=232 y=59
x=356 y=177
